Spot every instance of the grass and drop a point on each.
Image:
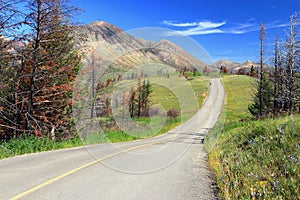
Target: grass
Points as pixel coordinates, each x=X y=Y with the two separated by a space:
x=122 y=136
x=31 y=144
x=175 y=92
x=239 y=92
x=172 y=92
x=253 y=159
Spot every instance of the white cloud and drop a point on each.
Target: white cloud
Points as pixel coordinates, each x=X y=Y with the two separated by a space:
x=171 y=23
x=197 y=28
x=193 y=31
x=209 y=27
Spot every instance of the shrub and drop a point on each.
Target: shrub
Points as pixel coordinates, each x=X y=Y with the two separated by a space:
x=172 y=113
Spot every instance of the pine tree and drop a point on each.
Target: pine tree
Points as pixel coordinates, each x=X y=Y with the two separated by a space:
x=10 y=67
x=132 y=102
x=261 y=38
x=42 y=68
x=51 y=63
x=277 y=65
x=263 y=99
x=267 y=98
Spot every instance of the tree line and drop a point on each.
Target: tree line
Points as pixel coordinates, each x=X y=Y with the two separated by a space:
x=278 y=91
x=38 y=65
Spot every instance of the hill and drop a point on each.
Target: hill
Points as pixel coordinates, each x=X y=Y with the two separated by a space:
x=225 y=63
x=116 y=48
x=236 y=68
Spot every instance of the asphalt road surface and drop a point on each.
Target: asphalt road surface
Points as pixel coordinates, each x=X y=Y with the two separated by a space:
x=170 y=166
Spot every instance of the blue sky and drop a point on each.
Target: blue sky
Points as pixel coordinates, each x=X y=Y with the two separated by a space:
x=225 y=29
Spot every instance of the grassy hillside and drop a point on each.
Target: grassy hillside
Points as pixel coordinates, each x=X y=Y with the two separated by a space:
x=239 y=92
x=254 y=159
x=168 y=93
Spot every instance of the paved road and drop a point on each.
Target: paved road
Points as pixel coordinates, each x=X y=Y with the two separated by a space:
x=170 y=166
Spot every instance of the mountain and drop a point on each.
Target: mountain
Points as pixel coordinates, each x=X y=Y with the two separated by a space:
x=245 y=67
x=225 y=63
x=236 y=68
x=119 y=50
x=176 y=56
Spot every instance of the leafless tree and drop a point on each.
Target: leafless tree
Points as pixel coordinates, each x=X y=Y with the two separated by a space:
x=291 y=47
x=262 y=34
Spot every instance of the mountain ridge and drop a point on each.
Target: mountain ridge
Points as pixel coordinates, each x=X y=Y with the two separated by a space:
x=111 y=43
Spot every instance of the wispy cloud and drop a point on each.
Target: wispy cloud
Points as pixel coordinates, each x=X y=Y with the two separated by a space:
x=209 y=27
x=276 y=24
x=196 y=28
x=171 y=23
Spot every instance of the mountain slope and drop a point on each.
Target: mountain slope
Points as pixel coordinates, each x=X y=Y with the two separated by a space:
x=120 y=50
x=225 y=63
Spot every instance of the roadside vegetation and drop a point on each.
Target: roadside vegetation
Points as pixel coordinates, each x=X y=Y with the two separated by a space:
x=254 y=148
x=170 y=116
x=32 y=144
x=253 y=159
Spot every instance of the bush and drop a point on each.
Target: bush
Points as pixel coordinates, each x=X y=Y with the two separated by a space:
x=172 y=113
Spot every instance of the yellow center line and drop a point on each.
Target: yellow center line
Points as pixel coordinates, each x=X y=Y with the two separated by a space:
x=82 y=167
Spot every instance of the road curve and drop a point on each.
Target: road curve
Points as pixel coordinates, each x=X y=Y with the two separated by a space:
x=169 y=166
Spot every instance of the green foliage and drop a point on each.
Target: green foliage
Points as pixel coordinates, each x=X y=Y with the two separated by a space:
x=267 y=99
x=139 y=99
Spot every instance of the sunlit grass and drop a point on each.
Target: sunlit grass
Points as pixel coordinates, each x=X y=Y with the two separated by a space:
x=259 y=160
x=33 y=144
x=239 y=93
x=253 y=159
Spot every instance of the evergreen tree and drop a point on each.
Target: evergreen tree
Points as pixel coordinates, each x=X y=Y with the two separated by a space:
x=41 y=70
x=277 y=65
x=132 y=103
x=262 y=50
x=263 y=99
x=266 y=98
x=51 y=62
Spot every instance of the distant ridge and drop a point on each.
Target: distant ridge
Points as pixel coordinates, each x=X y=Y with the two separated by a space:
x=236 y=68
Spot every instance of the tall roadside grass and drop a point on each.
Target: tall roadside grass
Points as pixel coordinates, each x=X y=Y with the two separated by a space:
x=31 y=144
x=254 y=159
